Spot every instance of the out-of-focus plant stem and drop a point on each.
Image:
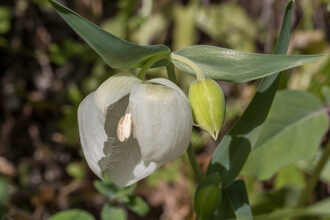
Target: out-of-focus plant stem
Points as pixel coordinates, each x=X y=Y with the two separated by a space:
x=316 y=173
x=194 y=164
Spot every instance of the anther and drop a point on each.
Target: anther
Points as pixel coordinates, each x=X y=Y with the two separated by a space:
x=124 y=128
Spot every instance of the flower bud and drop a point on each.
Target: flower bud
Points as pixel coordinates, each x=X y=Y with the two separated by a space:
x=208 y=197
x=208 y=104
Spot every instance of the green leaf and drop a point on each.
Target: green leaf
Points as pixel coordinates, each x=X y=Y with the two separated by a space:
x=257 y=111
x=229 y=158
x=105 y=188
x=239 y=202
x=113 y=192
x=237 y=145
x=138 y=205
x=225 y=211
x=116 y=52
x=293 y=131
x=208 y=197
x=235 y=66
x=73 y=214
x=112 y=213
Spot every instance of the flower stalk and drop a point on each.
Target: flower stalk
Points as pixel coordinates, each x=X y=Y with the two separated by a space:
x=192 y=65
x=171 y=72
x=150 y=62
x=194 y=164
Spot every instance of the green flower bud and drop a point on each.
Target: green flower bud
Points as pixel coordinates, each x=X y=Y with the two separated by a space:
x=208 y=104
x=208 y=197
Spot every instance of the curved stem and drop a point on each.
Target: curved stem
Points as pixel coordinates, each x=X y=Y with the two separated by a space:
x=171 y=72
x=194 y=164
x=151 y=62
x=192 y=65
x=316 y=173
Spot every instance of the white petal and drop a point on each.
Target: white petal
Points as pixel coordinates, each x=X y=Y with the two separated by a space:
x=91 y=131
x=122 y=162
x=162 y=121
x=113 y=89
x=170 y=116
x=170 y=84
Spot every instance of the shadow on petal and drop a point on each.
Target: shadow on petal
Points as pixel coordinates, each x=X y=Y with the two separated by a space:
x=122 y=161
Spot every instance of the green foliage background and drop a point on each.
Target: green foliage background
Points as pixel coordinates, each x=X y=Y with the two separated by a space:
x=47 y=70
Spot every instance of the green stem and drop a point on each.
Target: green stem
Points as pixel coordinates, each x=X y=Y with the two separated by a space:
x=151 y=62
x=316 y=173
x=171 y=72
x=194 y=67
x=194 y=164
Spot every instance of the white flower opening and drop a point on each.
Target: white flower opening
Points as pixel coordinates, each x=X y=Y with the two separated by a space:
x=128 y=128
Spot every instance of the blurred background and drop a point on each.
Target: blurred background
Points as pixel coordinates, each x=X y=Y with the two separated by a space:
x=46 y=70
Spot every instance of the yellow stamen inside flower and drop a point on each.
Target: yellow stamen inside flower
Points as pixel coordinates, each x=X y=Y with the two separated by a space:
x=124 y=128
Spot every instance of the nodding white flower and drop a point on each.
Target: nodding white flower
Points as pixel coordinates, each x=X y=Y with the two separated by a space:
x=128 y=128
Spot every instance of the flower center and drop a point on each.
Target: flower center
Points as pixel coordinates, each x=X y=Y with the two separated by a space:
x=124 y=127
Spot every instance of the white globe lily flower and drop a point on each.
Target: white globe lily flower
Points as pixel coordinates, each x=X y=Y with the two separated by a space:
x=128 y=128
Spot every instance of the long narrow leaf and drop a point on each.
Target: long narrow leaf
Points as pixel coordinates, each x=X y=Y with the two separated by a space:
x=236 y=66
x=237 y=195
x=253 y=118
x=116 y=52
